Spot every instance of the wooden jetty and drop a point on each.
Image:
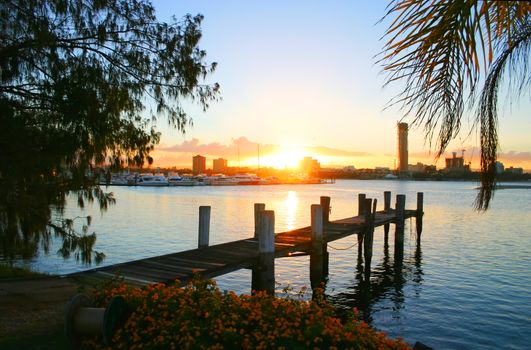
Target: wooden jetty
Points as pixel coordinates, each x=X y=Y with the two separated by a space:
x=259 y=252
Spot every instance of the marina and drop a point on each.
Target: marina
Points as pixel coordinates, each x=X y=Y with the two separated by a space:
x=174 y=179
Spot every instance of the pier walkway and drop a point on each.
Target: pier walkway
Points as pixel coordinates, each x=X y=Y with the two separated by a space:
x=259 y=252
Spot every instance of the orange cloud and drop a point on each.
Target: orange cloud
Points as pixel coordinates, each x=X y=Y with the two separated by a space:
x=242 y=147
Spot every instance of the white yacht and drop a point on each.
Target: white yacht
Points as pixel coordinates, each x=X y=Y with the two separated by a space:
x=390 y=177
x=246 y=179
x=151 y=180
x=222 y=180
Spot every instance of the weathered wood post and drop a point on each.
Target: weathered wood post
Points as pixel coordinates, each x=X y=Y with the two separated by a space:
x=420 y=214
x=264 y=272
x=204 y=226
x=325 y=204
x=316 y=254
x=399 y=225
x=361 y=204
x=368 y=233
x=258 y=207
x=387 y=208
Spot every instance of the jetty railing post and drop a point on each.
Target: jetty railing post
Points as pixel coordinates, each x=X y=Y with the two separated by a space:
x=204 y=226
x=316 y=254
x=325 y=204
x=368 y=232
x=264 y=273
x=361 y=205
x=387 y=209
x=399 y=225
x=258 y=207
x=420 y=214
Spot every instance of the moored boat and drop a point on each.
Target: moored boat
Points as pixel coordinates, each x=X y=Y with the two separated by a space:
x=246 y=179
x=151 y=180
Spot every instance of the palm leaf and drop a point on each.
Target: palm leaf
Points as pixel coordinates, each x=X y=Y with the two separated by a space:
x=439 y=49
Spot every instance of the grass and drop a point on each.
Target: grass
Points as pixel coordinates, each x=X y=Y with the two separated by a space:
x=51 y=340
x=10 y=273
x=33 y=334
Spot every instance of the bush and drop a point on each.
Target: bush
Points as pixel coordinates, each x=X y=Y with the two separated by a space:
x=200 y=316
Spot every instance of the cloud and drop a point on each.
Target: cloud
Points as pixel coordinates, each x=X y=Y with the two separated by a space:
x=244 y=147
x=515 y=157
x=335 y=152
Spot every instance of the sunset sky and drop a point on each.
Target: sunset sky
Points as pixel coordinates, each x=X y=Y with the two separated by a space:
x=300 y=78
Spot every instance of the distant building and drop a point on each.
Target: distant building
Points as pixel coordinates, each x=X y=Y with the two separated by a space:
x=456 y=164
x=422 y=168
x=516 y=171
x=349 y=169
x=309 y=165
x=375 y=173
x=416 y=168
x=402 y=148
x=199 y=164
x=500 y=168
x=219 y=165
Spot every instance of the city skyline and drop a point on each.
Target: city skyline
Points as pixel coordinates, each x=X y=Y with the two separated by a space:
x=302 y=77
x=277 y=157
x=221 y=165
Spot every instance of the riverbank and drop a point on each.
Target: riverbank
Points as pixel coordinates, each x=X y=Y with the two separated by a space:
x=32 y=315
x=32 y=309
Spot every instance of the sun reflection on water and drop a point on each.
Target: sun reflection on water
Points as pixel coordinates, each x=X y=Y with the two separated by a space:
x=290 y=204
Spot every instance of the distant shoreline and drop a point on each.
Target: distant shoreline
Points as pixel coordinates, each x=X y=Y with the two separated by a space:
x=511 y=187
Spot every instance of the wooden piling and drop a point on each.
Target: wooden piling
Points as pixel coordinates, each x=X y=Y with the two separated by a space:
x=266 y=234
x=204 y=226
x=420 y=214
x=327 y=209
x=361 y=204
x=325 y=204
x=316 y=254
x=264 y=272
x=258 y=207
x=368 y=233
x=387 y=209
x=400 y=224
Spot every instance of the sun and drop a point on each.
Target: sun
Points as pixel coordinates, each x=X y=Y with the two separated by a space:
x=285 y=158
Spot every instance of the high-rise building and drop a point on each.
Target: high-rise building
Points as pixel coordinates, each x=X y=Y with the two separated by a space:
x=219 y=165
x=456 y=164
x=309 y=165
x=199 y=164
x=402 y=148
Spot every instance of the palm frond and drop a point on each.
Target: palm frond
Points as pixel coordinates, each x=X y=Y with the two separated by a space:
x=440 y=50
x=513 y=59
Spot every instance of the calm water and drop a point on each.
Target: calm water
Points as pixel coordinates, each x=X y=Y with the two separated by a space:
x=468 y=286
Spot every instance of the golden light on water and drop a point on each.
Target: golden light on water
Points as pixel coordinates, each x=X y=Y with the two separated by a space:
x=290 y=205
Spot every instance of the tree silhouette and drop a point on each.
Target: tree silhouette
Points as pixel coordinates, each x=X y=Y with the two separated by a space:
x=81 y=84
x=452 y=57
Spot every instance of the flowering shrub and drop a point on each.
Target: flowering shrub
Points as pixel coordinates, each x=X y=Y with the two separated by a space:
x=200 y=316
